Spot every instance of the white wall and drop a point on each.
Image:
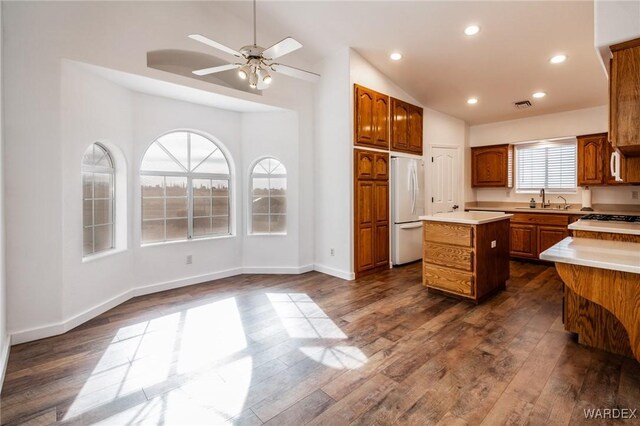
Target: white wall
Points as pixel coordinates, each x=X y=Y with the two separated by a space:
x=332 y=168
x=570 y=123
x=272 y=134
x=55 y=109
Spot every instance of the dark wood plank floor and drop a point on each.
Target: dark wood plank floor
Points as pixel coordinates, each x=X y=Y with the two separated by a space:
x=291 y=350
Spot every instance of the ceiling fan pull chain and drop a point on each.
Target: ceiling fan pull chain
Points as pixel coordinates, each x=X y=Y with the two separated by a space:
x=255 y=41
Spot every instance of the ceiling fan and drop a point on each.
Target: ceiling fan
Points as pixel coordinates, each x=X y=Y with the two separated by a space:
x=257 y=61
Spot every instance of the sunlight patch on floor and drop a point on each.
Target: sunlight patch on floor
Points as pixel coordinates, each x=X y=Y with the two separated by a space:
x=338 y=357
x=303 y=318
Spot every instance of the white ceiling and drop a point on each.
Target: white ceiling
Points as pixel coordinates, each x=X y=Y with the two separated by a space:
x=506 y=62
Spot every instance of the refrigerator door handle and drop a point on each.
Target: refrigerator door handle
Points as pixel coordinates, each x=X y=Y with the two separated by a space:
x=411 y=225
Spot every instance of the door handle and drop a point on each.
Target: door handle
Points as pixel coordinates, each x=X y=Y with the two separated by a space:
x=411 y=226
x=455 y=207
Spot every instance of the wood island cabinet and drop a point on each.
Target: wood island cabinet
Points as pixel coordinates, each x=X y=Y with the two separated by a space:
x=406 y=127
x=371 y=118
x=469 y=261
x=371 y=211
x=491 y=166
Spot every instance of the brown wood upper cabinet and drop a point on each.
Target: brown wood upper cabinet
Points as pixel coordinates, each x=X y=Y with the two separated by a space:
x=491 y=166
x=371 y=118
x=594 y=154
x=624 y=97
x=406 y=127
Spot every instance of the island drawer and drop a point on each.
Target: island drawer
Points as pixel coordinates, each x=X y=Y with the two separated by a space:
x=448 y=279
x=541 y=218
x=448 y=255
x=448 y=233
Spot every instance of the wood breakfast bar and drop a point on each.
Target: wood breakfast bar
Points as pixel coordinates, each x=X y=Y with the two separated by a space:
x=600 y=267
x=466 y=254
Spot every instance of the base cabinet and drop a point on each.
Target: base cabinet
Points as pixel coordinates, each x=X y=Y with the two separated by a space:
x=532 y=233
x=371 y=211
x=469 y=261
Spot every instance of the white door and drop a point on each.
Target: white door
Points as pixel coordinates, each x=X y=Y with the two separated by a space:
x=445 y=178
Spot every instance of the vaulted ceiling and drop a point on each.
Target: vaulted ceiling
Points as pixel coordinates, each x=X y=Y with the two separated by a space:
x=507 y=61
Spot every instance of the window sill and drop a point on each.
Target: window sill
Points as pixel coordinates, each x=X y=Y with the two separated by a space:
x=546 y=191
x=267 y=234
x=191 y=240
x=102 y=254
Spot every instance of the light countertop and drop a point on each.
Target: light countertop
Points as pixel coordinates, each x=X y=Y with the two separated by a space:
x=467 y=218
x=603 y=254
x=612 y=227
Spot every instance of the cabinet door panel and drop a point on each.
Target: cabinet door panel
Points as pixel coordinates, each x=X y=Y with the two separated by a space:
x=590 y=160
x=523 y=240
x=382 y=202
x=550 y=235
x=364 y=116
x=365 y=225
x=489 y=166
x=415 y=130
x=364 y=164
x=625 y=97
x=381 y=121
x=399 y=125
x=382 y=245
x=381 y=166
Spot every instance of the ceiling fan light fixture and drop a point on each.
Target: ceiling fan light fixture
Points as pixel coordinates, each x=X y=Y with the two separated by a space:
x=266 y=79
x=253 y=80
x=243 y=72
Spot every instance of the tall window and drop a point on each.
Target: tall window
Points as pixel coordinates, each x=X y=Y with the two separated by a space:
x=185 y=189
x=546 y=164
x=98 y=199
x=268 y=197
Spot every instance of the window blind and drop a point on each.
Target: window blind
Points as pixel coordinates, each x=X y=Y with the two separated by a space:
x=549 y=165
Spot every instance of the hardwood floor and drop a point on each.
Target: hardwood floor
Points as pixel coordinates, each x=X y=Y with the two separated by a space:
x=291 y=350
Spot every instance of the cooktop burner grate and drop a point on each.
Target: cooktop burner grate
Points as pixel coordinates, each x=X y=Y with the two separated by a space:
x=612 y=218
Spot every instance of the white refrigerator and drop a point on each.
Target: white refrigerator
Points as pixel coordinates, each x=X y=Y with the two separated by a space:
x=407 y=204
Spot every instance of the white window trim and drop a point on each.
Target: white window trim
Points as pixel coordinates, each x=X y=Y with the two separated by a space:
x=87 y=168
x=190 y=176
x=250 y=197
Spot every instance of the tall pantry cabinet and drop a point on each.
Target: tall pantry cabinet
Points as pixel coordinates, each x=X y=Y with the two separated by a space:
x=381 y=124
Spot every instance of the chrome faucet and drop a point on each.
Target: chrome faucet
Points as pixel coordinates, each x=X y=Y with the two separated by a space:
x=565 y=206
x=544 y=204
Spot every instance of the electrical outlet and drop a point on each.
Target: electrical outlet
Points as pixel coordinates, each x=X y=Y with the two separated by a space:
x=634 y=195
x=189 y=259
x=494 y=244
x=333 y=252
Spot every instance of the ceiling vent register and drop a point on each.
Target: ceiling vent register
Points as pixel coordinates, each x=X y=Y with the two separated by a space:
x=523 y=104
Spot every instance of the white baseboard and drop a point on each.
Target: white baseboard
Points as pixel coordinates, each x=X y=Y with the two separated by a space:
x=4 y=359
x=295 y=270
x=345 y=275
x=55 y=329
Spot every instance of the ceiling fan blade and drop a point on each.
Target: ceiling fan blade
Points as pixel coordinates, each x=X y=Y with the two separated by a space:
x=213 y=70
x=296 y=72
x=215 y=44
x=281 y=48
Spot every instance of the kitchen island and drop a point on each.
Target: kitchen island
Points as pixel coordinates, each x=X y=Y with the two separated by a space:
x=466 y=254
x=600 y=266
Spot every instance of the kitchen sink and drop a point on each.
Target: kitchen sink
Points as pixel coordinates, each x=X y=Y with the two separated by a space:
x=543 y=209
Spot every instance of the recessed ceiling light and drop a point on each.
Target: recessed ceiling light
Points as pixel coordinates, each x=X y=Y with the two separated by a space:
x=396 y=56
x=539 y=95
x=472 y=101
x=472 y=30
x=558 y=59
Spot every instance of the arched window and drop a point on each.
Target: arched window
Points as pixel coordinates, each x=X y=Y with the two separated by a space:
x=185 y=189
x=268 y=197
x=98 y=199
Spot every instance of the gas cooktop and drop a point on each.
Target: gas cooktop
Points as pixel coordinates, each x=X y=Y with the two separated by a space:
x=612 y=218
